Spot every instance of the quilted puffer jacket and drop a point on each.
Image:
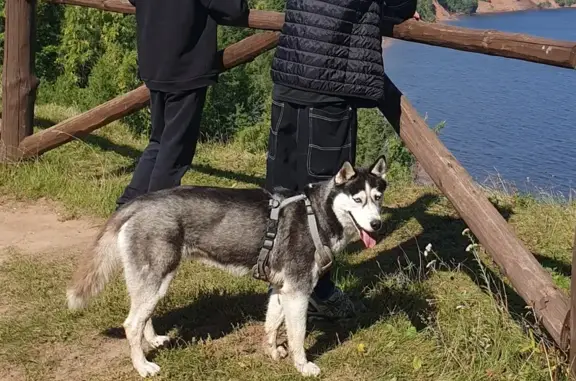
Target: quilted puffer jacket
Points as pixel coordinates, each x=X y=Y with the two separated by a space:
x=335 y=46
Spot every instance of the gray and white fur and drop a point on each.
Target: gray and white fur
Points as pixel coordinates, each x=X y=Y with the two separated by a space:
x=150 y=236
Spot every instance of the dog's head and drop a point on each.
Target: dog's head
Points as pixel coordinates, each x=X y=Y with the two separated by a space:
x=357 y=199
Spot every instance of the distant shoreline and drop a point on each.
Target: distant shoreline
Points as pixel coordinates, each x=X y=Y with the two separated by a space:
x=494 y=7
x=387 y=41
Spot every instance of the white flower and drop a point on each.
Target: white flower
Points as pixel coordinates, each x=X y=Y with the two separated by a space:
x=431 y=263
x=465 y=231
x=427 y=250
x=471 y=247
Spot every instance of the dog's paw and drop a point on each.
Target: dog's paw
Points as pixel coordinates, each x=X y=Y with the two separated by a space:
x=309 y=369
x=159 y=341
x=278 y=352
x=147 y=369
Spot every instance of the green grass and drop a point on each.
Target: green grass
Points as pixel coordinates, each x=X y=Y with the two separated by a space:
x=88 y=175
x=441 y=315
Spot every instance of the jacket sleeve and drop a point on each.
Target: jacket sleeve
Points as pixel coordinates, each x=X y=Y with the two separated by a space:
x=397 y=11
x=228 y=12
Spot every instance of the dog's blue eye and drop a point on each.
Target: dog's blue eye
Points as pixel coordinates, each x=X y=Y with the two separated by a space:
x=357 y=200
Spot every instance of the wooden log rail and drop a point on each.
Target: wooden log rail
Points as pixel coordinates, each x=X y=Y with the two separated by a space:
x=509 y=45
x=236 y=54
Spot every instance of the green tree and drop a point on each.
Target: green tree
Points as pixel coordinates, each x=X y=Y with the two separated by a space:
x=460 y=6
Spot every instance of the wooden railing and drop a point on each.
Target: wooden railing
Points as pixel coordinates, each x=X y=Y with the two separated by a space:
x=532 y=282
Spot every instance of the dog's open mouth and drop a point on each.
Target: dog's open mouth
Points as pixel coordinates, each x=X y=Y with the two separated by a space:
x=368 y=240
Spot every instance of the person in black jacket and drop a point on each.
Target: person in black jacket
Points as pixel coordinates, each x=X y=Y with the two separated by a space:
x=177 y=60
x=328 y=64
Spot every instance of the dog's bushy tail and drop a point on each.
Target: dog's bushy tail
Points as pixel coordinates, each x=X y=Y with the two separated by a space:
x=95 y=268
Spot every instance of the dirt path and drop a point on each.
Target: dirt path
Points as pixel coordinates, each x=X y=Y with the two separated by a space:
x=37 y=227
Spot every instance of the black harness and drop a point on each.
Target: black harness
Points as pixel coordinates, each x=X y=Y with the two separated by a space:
x=323 y=255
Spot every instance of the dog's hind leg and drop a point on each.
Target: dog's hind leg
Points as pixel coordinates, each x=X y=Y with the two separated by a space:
x=157 y=341
x=274 y=319
x=145 y=291
x=295 y=304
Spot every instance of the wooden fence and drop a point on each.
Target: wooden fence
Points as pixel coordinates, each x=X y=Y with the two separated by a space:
x=550 y=304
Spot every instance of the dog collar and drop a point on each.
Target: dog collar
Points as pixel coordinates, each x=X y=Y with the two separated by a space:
x=323 y=255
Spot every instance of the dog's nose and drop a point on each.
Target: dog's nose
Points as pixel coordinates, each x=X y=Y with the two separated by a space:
x=376 y=224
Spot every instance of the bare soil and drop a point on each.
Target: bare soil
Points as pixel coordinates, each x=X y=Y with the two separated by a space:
x=39 y=227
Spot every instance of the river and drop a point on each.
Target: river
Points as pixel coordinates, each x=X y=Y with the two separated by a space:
x=504 y=118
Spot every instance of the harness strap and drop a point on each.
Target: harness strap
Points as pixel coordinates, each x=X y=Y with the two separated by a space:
x=323 y=254
x=260 y=270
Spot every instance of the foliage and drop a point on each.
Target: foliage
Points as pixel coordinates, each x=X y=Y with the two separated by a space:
x=97 y=59
x=48 y=24
x=460 y=6
x=426 y=10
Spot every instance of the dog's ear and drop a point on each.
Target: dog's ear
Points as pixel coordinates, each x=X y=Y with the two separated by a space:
x=379 y=167
x=344 y=174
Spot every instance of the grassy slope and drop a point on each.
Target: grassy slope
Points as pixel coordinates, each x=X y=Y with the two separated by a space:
x=432 y=317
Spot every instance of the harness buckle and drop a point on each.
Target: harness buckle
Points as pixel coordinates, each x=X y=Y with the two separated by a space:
x=268 y=244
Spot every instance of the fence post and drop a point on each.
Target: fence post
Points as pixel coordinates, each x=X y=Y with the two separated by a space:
x=19 y=83
x=573 y=312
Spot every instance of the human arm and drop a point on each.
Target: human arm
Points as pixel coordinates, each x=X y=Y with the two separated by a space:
x=228 y=12
x=397 y=11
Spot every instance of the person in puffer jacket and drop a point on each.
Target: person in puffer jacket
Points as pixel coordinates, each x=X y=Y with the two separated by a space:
x=328 y=63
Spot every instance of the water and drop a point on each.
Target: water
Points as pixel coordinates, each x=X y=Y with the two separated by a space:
x=507 y=117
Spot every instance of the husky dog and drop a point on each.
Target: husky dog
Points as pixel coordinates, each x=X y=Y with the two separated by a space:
x=225 y=228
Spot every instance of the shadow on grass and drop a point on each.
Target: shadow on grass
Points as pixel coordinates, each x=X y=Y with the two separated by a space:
x=43 y=123
x=134 y=154
x=444 y=232
x=445 y=235
x=562 y=268
x=204 y=169
x=210 y=316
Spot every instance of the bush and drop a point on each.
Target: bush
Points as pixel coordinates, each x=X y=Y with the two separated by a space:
x=427 y=10
x=460 y=6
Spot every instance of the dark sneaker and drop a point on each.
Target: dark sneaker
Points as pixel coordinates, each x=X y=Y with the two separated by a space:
x=337 y=306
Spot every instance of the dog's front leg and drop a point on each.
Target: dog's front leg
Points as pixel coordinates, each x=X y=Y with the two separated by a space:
x=274 y=319
x=295 y=306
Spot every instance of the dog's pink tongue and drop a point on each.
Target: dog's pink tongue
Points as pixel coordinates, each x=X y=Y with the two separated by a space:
x=369 y=242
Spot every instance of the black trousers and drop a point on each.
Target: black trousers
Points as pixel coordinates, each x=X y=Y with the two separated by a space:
x=309 y=144
x=174 y=134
